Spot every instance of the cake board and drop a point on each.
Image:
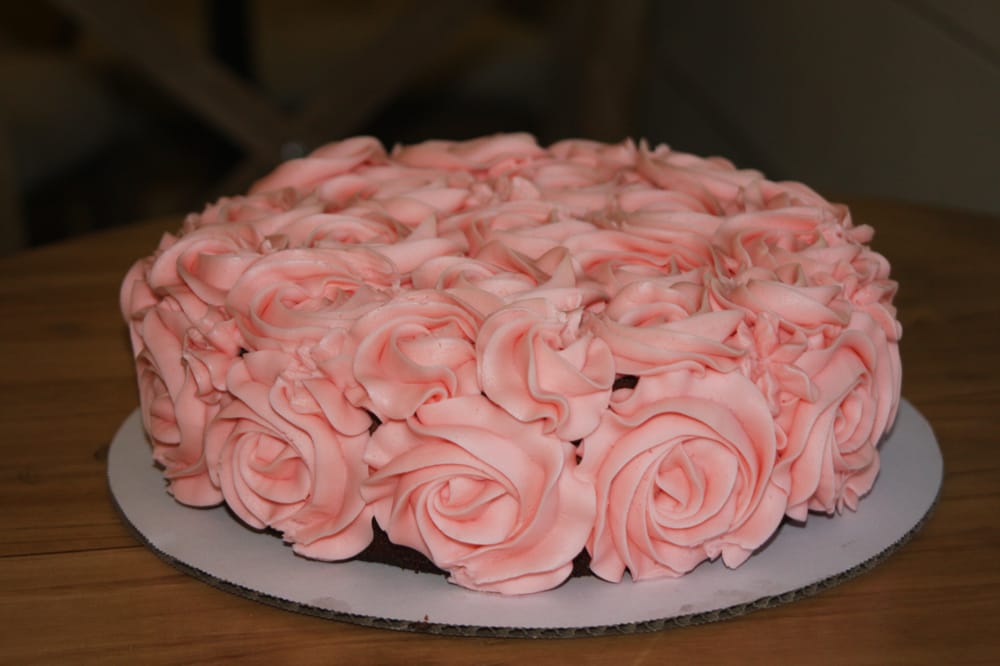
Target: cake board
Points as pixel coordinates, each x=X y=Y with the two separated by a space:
x=800 y=560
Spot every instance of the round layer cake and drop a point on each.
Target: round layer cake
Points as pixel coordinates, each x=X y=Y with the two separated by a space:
x=507 y=357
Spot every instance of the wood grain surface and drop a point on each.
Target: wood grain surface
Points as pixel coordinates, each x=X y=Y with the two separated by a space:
x=78 y=588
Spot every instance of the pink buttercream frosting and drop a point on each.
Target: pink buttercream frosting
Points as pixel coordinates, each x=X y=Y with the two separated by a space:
x=415 y=349
x=283 y=458
x=684 y=469
x=505 y=355
x=495 y=501
x=541 y=364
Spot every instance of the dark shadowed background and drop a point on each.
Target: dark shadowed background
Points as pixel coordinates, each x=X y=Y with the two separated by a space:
x=113 y=111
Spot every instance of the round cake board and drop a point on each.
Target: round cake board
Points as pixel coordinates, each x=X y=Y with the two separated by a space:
x=800 y=560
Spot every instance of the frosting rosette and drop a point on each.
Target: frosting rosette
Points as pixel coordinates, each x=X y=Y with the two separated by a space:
x=206 y=262
x=684 y=471
x=250 y=208
x=495 y=502
x=473 y=280
x=286 y=455
x=417 y=348
x=338 y=229
x=334 y=159
x=487 y=153
x=179 y=373
x=662 y=323
x=134 y=299
x=770 y=238
x=832 y=437
x=297 y=296
x=542 y=364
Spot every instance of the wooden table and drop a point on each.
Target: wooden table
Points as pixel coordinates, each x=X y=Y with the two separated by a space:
x=78 y=587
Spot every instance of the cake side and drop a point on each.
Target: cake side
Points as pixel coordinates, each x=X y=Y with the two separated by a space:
x=513 y=357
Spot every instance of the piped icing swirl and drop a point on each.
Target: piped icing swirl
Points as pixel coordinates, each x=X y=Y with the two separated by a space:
x=506 y=354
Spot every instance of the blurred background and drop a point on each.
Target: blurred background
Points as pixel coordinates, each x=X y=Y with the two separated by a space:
x=113 y=111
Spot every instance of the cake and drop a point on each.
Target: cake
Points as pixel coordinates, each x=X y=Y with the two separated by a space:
x=508 y=358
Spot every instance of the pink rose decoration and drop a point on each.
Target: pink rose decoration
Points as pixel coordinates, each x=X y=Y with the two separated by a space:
x=618 y=156
x=831 y=451
x=693 y=234
x=532 y=240
x=481 y=285
x=661 y=300
x=592 y=191
x=750 y=239
x=415 y=349
x=772 y=349
x=208 y=357
x=135 y=298
x=477 y=223
x=487 y=153
x=495 y=502
x=714 y=182
x=420 y=245
x=644 y=197
x=659 y=324
x=416 y=206
x=178 y=397
x=565 y=286
x=207 y=261
x=585 y=177
x=295 y=297
x=251 y=208
x=539 y=363
x=337 y=229
x=818 y=310
x=334 y=159
x=449 y=272
x=870 y=290
x=683 y=471
x=656 y=252
x=282 y=458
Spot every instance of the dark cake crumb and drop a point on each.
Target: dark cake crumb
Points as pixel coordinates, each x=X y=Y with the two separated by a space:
x=383 y=551
x=625 y=382
x=376 y=422
x=581 y=565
